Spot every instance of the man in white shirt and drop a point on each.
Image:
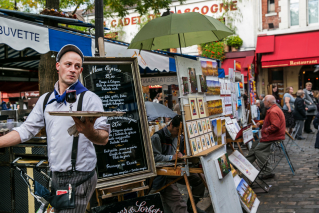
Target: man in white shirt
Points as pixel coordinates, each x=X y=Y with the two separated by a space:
x=59 y=142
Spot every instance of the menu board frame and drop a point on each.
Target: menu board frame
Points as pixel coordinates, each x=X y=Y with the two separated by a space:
x=151 y=171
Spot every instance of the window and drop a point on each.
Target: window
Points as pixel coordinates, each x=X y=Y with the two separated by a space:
x=312 y=11
x=271 y=6
x=294 y=12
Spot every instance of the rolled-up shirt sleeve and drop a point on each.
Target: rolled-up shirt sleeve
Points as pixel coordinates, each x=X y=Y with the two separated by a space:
x=95 y=104
x=34 y=122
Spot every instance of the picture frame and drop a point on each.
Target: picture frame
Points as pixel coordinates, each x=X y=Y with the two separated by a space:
x=201 y=107
x=193 y=146
x=128 y=69
x=190 y=129
x=193 y=108
x=203 y=140
x=211 y=137
x=208 y=125
x=199 y=127
x=204 y=125
x=199 y=144
x=195 y=128
x=208 y=141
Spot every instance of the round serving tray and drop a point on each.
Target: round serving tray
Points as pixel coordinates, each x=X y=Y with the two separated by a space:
x=86 y=113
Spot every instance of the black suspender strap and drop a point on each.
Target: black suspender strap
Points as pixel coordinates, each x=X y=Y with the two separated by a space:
x=76 y=139
x=46 y=100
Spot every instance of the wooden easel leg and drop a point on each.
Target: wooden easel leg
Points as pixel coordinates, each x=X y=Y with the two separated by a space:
x=141 y=193
x=241 y=151
x=190 y=194
x=99 y=200
x=231 y=146
x=170 y=183
x=203 y=180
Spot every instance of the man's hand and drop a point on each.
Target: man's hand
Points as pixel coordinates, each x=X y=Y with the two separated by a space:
x=86 y=127
x=289 y=110
x=99 y=137
x=179 y=155
x=258 y=124
x=306 y=109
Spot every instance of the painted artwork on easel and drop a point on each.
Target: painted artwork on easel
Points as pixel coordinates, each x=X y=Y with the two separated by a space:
x=193 y=146
x=211 y=137
x=185 y=85
x=204 y=68
x=208 y=142
x=223 y=166
x=195 y=129
x=215 y=107
x=213 y=87
x=200 y=127
x=246 y=194
x=204 y=125
x=219 y=131
x=214 y=127
x=190 y=130
x=203 y=140
x=193 y=80
x=212 y=68
x=201 y=108
x=199 y=144
x=193 y=108
x=209 y=128
x=203 y=84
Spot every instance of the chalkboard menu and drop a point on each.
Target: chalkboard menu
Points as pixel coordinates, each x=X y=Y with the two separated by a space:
x=128 y=154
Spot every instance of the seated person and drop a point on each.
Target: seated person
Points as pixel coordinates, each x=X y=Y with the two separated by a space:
x=273 y=130
x=164 y=144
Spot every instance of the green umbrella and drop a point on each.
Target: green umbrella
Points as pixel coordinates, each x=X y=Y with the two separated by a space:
x=179 y=30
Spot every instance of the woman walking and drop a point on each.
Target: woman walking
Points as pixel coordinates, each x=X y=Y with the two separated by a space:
x=312 y=107
x=300 y=113
x=288 y=109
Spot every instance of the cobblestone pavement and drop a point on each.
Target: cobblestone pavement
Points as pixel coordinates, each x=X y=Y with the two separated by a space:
x=290 y=193
x=297 y=193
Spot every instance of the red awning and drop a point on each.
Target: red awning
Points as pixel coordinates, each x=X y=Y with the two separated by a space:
x=293 y=50
x=265 y=44
x=13 y=86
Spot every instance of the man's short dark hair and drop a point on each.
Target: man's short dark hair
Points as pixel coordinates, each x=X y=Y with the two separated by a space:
x=176 y=121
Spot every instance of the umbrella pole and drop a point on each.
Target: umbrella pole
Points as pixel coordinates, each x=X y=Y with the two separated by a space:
x=180 y=46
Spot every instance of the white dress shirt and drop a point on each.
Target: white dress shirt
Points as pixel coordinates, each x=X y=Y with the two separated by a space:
x=58 y=140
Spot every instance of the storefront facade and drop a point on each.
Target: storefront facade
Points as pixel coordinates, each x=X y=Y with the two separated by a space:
x=287 y=45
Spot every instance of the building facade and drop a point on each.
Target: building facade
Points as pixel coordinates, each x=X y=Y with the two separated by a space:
x=243 y=13
x=287 y=44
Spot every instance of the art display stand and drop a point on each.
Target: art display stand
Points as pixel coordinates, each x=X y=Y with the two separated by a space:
x=223 y=193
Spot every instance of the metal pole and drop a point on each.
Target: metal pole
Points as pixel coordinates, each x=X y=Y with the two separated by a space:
x=99 y=28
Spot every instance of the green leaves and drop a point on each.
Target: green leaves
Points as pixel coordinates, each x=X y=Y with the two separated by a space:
x=213 y=50
x=234 y=41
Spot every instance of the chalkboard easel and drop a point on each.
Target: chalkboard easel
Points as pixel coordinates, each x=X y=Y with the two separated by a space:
x=128 y=155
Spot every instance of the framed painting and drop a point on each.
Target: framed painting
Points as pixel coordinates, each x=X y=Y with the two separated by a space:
x=193 y=108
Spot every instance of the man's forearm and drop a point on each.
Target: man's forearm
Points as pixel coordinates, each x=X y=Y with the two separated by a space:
x=99 y=137
x=10 y=139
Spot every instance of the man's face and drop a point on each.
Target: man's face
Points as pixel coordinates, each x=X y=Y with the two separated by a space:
x=266 y=103
x=174 y=131
x=69 y=68
x=308 y=87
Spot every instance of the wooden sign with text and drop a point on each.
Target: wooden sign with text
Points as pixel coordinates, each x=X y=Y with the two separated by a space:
x=128 y=155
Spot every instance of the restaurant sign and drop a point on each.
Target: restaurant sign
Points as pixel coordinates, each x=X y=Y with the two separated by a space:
x=161 y=80
x=292 y=62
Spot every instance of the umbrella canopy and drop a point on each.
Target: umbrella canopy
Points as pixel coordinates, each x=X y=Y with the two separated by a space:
x=155 y=110
x=179 y=30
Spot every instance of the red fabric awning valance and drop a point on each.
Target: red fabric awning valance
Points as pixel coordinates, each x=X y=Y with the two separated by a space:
x=293 y=50
x=15 y=86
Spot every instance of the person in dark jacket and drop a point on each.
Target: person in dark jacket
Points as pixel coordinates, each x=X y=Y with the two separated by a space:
x=309 y=100
x=300 y=113
x=164 y=143
x=316 y=125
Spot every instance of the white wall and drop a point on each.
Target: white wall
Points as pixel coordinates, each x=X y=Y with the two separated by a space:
x=246 y=28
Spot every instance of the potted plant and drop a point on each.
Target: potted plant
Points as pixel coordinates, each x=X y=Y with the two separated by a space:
x=235 y=42
x=214 y=50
